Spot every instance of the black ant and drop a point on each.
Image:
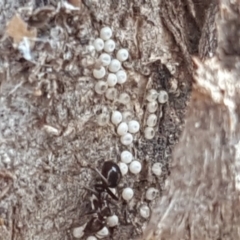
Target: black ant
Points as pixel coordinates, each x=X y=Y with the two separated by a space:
x=110 y=177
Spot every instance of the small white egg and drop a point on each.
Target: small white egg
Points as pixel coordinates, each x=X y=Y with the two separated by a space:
x=105 y=59
x=103 y=119
x=102 y=233
x=112 y=221
x=111 y=93
x=127 y=116
x=123 y=167
x=126 y=156
x=109 y=46
x=99 y=73
x=162 y=97
x=124 y=98
x=112 y=79
x=116 y=117
x=122 y=54
x=78 y=232
x=152 y=120
x=127 y=139
x=127 y=193
x=114 y=66
x=105 y=33
x=151 y=193
x=121 y=76
x=135 y=167
x=152 y=106
x=98 y=44
x=133 y=126
x=152 y=95
x=149 y=133
x=122 y=129
x=91 y=238
x=144 y=211
x=157 y=169
x=101 y=87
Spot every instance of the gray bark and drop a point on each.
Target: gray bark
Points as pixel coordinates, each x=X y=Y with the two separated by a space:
x=50 y=138
x=202 y=197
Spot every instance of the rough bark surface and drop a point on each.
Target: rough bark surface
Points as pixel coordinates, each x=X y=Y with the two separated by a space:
x=202 y=196
x=50 y=138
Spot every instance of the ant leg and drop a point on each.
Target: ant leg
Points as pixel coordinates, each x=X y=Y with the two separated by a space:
x=102 y=177
x=95 y=201
x=93 y=226
x=111 y=194
x=100 y=174
x=102 y=187
x=86 y=208
x=91 y=190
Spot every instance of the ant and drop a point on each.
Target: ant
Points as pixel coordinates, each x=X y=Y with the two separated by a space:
x=110 y=177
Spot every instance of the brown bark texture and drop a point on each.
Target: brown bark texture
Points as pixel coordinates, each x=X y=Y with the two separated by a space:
x=55 y=129
x=202 y=194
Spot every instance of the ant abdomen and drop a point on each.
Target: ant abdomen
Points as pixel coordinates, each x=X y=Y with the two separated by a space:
x=112 y=173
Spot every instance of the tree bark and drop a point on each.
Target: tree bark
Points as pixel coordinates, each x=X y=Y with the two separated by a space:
x=50 y=138
x=202 y=197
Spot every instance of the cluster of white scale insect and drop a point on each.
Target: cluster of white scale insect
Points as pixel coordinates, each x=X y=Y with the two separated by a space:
x=110 y=74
